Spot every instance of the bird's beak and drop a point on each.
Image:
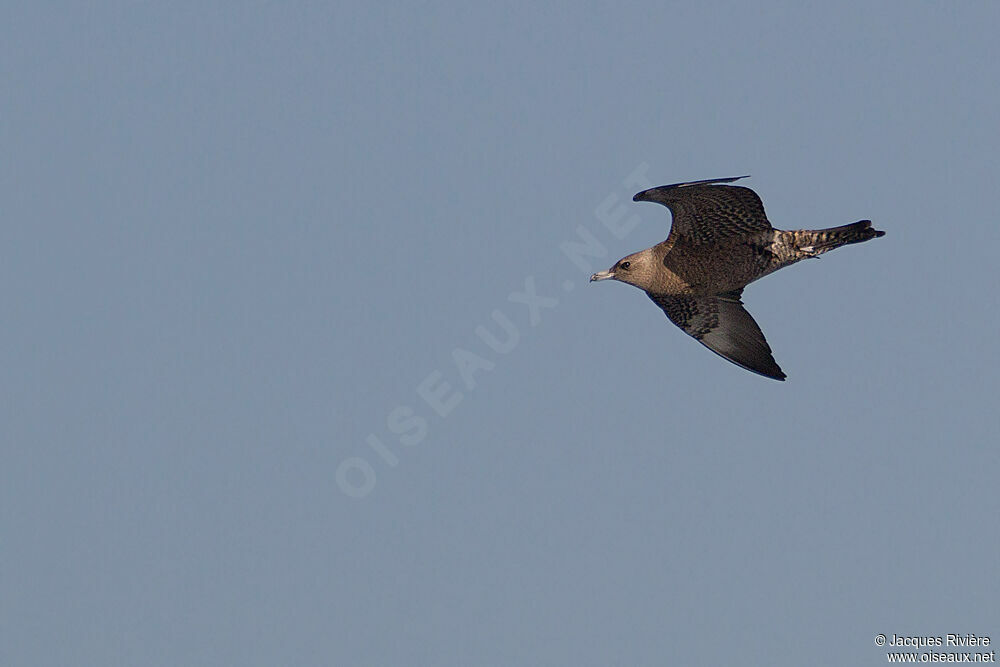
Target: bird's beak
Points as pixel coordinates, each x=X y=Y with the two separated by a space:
x=602 y=275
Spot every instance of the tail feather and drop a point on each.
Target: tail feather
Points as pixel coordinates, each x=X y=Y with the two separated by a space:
x=815 y=241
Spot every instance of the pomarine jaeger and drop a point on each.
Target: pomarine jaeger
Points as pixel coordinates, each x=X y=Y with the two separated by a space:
x=720 y=242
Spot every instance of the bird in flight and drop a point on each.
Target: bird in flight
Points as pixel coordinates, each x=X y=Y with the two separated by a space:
x=720 y=242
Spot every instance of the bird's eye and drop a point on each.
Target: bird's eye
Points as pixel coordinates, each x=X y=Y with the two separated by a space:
x=626 y=265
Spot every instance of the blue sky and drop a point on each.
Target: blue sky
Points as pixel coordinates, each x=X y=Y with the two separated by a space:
x=253 y=253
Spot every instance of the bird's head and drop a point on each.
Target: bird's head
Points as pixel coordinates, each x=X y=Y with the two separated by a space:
x=636 y=269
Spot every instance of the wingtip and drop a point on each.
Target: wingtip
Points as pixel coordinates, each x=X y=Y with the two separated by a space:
x=770 y=368
x=771 y=373
x=646 y=195
x=709 y=181
x=729 y=179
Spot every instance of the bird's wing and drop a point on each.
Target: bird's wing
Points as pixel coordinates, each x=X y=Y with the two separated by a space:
x=705 y=212
x=721 y=324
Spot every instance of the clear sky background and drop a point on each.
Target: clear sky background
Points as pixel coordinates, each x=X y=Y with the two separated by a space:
x=238 y=238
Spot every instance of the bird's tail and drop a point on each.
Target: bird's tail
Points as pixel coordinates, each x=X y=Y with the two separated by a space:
x=812 y=242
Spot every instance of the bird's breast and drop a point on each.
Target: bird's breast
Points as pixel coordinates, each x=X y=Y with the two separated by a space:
x=711 y=269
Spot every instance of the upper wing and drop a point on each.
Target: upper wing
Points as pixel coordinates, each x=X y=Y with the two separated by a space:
x=705 y=212
x=721 y=324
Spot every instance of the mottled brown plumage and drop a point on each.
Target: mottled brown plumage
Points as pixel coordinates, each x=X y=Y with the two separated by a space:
x=721 y=241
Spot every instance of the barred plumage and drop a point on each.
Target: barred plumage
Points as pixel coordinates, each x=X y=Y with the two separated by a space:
x=720 y=242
